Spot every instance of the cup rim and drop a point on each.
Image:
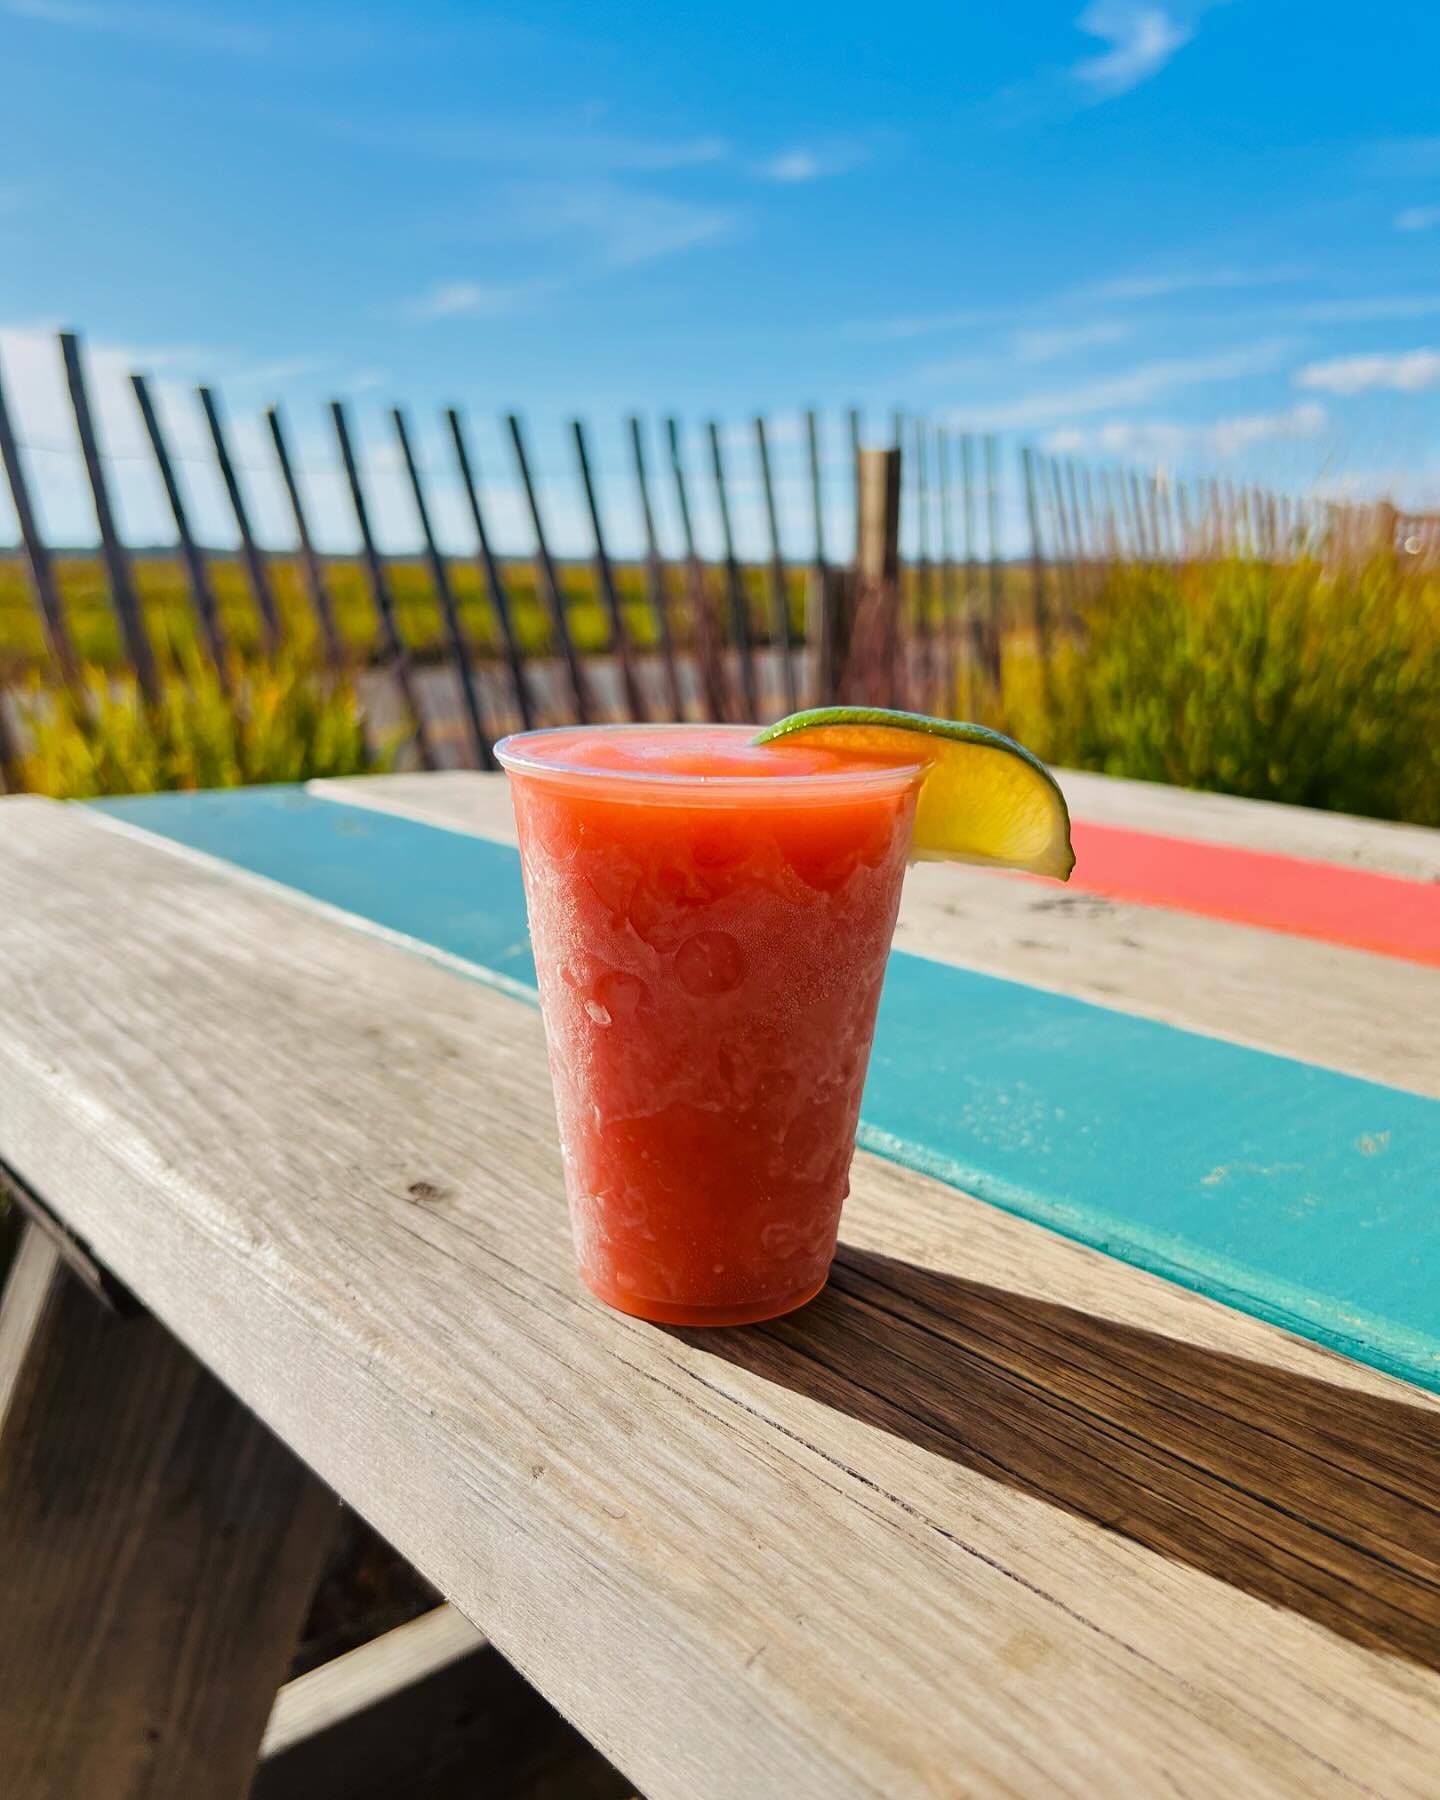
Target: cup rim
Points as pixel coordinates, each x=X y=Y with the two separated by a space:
x=512 y=758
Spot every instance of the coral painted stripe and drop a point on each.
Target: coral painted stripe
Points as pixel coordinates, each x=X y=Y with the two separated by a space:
x=1356 y=907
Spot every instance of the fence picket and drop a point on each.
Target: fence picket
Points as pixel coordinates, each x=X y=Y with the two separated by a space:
x=314 y=575
x=734 y=583
x=123 y=596
x=255 y=565
x=58 y=642
x=549 y=581
x=445 y=595
x=398 y=658
x=605 y=577
x=657 y=585
x=779 y=589
x=197 y=576
x=496 y=589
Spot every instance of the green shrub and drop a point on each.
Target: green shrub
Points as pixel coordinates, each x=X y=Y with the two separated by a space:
x=285 y=723
x=1298 y=683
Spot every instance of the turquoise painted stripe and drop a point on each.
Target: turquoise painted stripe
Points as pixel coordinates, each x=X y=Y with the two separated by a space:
x=1306 y=1197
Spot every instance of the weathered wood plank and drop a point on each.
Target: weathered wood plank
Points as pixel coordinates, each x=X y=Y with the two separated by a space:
x=160 y=1549
x=361 y=1678
x=1365 y=1015
x=1407 y=850
x=429 y=1711
x=783 y=1561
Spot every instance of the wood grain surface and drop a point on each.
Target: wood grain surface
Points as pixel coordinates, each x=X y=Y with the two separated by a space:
x=998 y=1515
x=160 y=1548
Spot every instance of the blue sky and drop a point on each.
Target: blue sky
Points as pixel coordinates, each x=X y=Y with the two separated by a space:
x=1202 y=235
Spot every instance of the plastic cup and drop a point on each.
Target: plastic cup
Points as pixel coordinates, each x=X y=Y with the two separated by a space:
x=710 y=933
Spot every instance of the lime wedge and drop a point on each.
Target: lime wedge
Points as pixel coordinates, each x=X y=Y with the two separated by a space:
x=983 y=798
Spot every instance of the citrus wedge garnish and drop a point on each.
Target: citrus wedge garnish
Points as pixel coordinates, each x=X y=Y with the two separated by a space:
x=983 y=797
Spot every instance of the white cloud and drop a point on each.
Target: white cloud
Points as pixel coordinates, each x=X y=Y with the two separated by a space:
x=913 y=325
x=1050 y=344
x=1367 y=311
x=1158 y=440
x=1142 y=40
x=1118 y=289
x=555 y=144
x=1405 y=372
x=470 y=299
x=624 y=226
x=1135 y=387
x=1418 y=218
x=167 y=24
x=1166 y=284
x=810 y=162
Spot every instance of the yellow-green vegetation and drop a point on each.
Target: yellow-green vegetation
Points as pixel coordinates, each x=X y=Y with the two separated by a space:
x=285 y=723
x=1314 y=685
x=1298 y=682
x=160 y=581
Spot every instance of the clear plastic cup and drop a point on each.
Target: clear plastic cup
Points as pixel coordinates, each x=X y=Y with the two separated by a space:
x=711 y=924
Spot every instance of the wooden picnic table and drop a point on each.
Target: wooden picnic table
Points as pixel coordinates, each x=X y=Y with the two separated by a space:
x=1107 y=1464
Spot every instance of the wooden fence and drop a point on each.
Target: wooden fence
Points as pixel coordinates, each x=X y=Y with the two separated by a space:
x=911 y=610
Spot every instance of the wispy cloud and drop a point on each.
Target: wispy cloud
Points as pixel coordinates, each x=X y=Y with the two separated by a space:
x=1133 y=289
x=914 y=325
x=276 y=374
x=184 y=27
x=622 y=226
x=1163 y=440
x=1168 y=283
x=558 y=144
x=1134 y=387
x=1406 y=372
x=1142 y=40
x=1052 y=343
x=811 y=162
x=1371 y=310
x=1415 y=157
x=471 y=299
x=1418 y=218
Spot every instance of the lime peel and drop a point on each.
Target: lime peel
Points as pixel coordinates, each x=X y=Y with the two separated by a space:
x=983 y=798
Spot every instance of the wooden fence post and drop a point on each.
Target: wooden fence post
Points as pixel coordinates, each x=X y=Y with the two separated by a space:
x=11 y=773
x=398 y=656
x=822 y=611
x=734 y=585
x=1039 y=599
x=494 y=578
x=202 y=595
x=605 y=579
x=309 y=562
x=714 y=676
x=877 y=566
x=949 y=598
x=250 y=551
x=117 y=563
x=440 y=577
x=779 y=585
x=655 y=571
x=58 y=641
x=924 y=574
x=995 y=625
x=549 y=581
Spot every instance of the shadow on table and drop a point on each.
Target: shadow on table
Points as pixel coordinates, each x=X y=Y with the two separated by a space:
x=1306 y=1494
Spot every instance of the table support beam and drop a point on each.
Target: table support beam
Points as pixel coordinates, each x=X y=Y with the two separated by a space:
x=160 y=1545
